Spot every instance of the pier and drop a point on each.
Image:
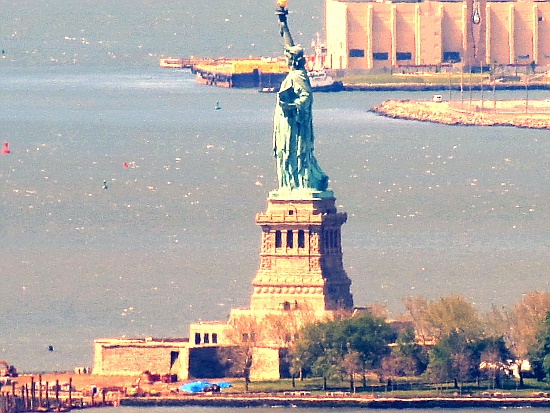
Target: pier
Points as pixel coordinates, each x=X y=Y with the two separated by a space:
x=43 y=396
x=237 y=73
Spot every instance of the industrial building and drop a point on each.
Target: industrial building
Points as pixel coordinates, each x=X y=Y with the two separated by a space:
x=368 y=36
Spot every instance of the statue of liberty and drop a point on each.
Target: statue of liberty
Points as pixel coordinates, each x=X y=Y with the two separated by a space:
x=293 y=137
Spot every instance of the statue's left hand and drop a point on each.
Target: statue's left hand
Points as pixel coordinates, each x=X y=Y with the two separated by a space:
x=289 y=109
x=288 y=106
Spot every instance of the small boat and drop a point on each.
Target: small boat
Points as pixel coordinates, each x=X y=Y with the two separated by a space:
x=267 y=90
x=172 y=62
x=320 y=80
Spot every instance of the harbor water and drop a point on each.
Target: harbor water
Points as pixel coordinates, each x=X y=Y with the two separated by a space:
x=432 y=210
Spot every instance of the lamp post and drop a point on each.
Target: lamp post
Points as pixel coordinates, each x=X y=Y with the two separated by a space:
x=526 y=92
x=461 y=85
x=481 y=83
x=450 y=80
x=494 y=76
x=470 y=88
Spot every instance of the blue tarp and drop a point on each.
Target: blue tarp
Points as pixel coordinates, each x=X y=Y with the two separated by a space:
x=194 y=386
x=199 y=386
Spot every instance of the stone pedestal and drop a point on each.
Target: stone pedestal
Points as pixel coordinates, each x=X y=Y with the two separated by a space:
x=301 y=255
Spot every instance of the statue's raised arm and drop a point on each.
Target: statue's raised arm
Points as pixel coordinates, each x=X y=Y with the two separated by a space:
x=285 y=31
x=293 y=139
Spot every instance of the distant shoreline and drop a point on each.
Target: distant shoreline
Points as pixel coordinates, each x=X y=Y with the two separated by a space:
x=422 y=87
x=269 y=400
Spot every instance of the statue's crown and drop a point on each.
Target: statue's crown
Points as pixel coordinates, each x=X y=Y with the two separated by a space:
x=295 y=50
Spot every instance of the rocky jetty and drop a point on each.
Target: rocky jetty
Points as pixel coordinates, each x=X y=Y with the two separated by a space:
x=534 y=114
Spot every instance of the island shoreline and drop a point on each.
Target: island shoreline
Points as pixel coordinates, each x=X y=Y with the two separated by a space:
x=332 y=402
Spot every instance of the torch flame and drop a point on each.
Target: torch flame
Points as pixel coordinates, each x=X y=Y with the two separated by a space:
x=281 y=3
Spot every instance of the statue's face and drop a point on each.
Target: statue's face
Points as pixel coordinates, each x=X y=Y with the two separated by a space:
x=294 y=60
x=289 y=58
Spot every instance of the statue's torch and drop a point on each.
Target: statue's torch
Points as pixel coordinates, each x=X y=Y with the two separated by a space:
x=282 y=13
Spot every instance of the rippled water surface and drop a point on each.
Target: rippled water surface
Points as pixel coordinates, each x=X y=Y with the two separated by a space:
x=432 y=209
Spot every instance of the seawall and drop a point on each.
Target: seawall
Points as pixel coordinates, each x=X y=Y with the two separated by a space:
x=422 y=87
x=258 y=400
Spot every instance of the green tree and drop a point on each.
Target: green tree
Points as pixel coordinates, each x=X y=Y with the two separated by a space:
x=326 y=366
x=452 y=359
x=493 y=358
x=367 y=335
x=351 y=365
x=453 y=314
x=407 y=357
x=311 y=345
x=526 y=321
x=457 y=358
x=347 y=345
x=539 y=352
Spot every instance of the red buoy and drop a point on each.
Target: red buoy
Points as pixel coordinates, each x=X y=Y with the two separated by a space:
x=5 y=149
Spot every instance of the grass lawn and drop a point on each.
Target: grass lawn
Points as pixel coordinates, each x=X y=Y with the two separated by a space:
x=435 y=78
x=400 y=387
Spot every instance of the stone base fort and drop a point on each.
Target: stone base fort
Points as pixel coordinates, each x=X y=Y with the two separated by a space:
x=300 y=279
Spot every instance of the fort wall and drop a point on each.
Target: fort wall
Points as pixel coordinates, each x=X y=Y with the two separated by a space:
x=131 y=357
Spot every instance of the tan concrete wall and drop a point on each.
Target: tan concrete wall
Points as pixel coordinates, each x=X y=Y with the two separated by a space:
x=543 y=13
x=336 y=34
x=452 y=27
x=430 y=40
x=136 y=360
x=405 y=37
x=507 y=34
x=133 y=357
x=381 y=34
x=209 y=334
x=357 y=24
x=265 y=364
x=498 y=16
x=523 y=31
x=181 y=366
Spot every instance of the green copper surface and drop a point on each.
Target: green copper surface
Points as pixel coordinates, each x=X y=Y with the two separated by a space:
x=297 y=168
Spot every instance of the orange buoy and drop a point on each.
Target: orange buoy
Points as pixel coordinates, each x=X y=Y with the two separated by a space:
x=5 y=149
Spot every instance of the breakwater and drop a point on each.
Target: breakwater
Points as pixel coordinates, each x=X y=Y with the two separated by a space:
x=523 y=114
x=270 y=400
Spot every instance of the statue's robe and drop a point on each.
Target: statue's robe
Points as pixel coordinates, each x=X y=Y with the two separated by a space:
x=293 y=136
